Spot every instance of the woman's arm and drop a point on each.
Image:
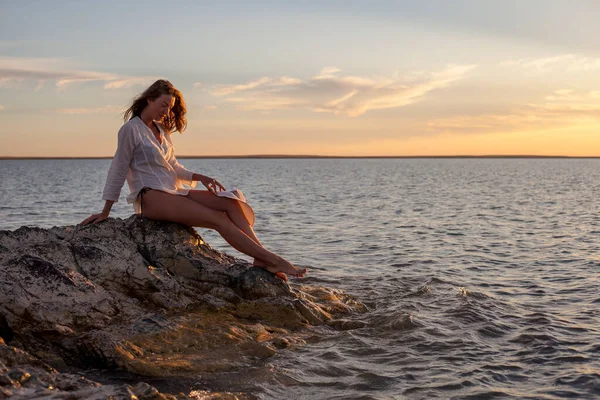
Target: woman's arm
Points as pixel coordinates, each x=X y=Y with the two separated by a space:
x=95 y=218
x=117 y=173
x=188 y=177
x=210 y=183
x=119 y=167
x=185 y=175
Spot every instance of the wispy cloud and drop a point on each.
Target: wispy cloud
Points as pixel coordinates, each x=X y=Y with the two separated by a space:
x=563 y=62
x=332 y=92
x=96 y=110
x=61 y=72
x=9 y=43
x=574 y=96
x=563 y=108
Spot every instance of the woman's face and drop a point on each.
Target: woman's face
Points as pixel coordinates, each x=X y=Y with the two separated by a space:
x=160 y=107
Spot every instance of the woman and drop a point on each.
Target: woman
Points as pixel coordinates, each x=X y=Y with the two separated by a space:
x=145 y=157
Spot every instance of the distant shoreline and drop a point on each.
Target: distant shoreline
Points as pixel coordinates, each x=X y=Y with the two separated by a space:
x=307 y=156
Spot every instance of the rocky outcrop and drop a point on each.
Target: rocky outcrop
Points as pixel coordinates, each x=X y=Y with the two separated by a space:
x=145 y=297
x=23 y=376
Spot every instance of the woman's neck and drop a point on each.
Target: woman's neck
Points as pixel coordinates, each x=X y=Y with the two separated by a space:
x=146 y=119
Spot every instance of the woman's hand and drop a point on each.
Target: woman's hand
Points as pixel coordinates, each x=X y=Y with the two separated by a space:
x=95 y=218
x=211 y=184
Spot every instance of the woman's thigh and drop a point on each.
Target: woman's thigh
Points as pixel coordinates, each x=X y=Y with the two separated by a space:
x=163 y=206
x=210 y=200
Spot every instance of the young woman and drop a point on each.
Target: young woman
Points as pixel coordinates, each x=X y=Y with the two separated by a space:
x=145 y=157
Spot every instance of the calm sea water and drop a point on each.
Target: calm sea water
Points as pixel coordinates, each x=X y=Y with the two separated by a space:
x=482 y=275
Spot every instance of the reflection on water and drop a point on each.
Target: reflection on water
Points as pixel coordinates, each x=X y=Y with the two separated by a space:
x=481 y=275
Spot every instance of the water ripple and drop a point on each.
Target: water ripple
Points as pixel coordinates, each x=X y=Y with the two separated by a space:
x=481 y=276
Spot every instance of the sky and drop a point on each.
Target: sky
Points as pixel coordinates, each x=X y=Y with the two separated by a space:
x=330 y=78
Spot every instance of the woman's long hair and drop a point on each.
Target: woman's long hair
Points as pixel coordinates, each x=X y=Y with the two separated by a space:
x=176 y=120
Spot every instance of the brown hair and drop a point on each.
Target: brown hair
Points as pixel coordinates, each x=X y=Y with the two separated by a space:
x=176 y=120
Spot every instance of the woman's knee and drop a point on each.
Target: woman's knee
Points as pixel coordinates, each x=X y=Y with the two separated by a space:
x=219 y=221
x=234 y=207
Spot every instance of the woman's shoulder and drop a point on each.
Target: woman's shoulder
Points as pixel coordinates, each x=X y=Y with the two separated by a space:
x=132 y=122
x=130 y=131
x=129 y=125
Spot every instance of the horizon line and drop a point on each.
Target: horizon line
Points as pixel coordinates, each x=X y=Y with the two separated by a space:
x=300 y=156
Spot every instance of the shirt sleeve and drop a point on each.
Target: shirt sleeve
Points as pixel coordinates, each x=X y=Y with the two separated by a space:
x=184 y=175
x=119 y=166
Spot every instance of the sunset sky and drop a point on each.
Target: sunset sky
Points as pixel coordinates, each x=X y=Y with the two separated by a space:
x=348 y=78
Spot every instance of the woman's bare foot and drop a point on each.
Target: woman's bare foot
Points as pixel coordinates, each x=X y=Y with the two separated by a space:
x=282 y=267
x=258 y=263
x=288 y=268
x=273 y=270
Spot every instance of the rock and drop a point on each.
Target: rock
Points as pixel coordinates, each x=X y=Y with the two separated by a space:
x=36 y=380
x=6 y=332
x=147 y=297
x=281 y=343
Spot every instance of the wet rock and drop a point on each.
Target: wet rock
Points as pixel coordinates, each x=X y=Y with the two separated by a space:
x=281 y=343
x=33 y=379
x=145 y=297
x=6 y=331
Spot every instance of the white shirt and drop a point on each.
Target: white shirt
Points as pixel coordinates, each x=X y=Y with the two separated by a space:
x=145 y=163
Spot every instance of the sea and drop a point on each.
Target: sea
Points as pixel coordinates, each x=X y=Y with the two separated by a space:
x=481 y=275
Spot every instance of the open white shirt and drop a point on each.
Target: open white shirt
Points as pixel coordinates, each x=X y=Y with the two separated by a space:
x=145 y=162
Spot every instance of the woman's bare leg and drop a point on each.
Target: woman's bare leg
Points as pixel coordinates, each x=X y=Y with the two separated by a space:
x=163 y=206
x=231 y=207
x=234 y=211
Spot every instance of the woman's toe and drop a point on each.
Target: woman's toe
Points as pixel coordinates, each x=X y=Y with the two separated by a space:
x=281 y=276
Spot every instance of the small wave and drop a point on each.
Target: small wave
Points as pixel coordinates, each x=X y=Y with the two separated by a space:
x=347 y=325
x=571 y=359
x=537 y=319
x=394 y=322
x=493 y=331
x=495 y=394
x=422 y=291
x=373 y=381
x=588 y=381
x=330 y=370
x=436 y=388
x=468 y=314
x=594 y=348
x=502 y=367
x=400 y=265
x=535 y=339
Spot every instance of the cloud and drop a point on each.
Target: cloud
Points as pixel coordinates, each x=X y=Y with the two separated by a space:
x=62 y=72
x=1 y=107
x=126 y=82
x=564 y=107
x=563 y=62
x=331 y=92
x=572 y=95
x=227 y=90
x=10 y=43
x=83 y=111
x=328 y=72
